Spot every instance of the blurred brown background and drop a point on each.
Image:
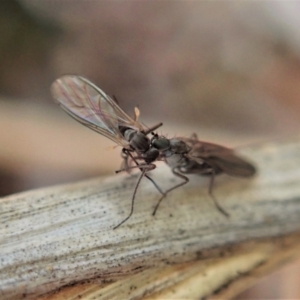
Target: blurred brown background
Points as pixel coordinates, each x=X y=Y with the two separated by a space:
x=229 y=71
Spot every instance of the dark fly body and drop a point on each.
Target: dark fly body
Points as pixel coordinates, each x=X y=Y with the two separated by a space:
x=90 y=106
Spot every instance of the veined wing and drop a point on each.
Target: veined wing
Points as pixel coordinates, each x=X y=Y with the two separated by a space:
x=220 y=157
x=89 y=105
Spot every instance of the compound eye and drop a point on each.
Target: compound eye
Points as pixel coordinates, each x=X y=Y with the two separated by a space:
x=161 y=144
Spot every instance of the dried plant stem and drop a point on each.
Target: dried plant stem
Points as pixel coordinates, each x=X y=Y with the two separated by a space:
x=57 y=236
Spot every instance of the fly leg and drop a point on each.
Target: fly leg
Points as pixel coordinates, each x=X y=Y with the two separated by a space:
x=155 y=184
x=186 y=180
x=125 y=155
x=125 y=163
x=144 y=169
x=210 y=192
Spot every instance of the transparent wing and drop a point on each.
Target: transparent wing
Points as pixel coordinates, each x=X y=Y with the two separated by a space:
x=90 y=106
x=219 y=156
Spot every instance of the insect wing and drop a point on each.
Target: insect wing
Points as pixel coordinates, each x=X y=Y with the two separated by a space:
x=89 y=105
x=220 y=157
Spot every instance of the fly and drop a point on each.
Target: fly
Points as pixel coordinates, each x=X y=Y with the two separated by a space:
x=90 y=106
x=192 y=156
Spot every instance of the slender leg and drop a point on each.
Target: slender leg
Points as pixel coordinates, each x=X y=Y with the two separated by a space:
x=155 y=184
x=125 y=154
x=127 y=167
x=210 y=188
x=186 y=180
x=148 y=177
x=124 y=164
x=144 y=169
x=139 y=166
